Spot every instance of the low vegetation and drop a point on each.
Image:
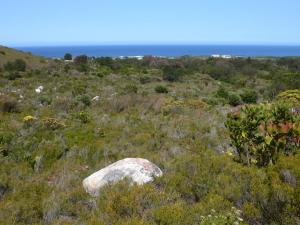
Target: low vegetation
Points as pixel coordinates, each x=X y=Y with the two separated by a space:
x=225 y=133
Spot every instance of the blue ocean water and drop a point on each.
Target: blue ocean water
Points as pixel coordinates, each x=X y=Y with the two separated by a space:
x=165 y=50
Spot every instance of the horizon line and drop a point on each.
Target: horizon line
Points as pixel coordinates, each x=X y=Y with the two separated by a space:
x=150 y=44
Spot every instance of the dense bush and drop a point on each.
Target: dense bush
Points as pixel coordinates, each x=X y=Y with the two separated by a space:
x=84 y=117
x=8 y=104
x=12 y=75
x=131 y=88
x=234 y=99
x=17 y=65
x=172 y=73
x=81 y=60
x=222 y=93
x=161 y=89
x=68 y=56
x=261 y=133
x=249 y=96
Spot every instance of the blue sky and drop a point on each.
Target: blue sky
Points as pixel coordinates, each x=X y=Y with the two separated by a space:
x=83 y=22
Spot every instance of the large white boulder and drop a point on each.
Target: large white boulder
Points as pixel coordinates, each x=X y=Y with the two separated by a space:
x=137 y=170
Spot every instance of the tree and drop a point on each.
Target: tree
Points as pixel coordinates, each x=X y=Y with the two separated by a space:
x=68 y=56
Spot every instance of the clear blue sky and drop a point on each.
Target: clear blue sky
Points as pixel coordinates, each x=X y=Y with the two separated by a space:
x=76 y=22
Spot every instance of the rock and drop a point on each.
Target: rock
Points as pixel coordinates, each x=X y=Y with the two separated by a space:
x=39 y=89
x=288 y=177
x=137 y=170
x=96 y=98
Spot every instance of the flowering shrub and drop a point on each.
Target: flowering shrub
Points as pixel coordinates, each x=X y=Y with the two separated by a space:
x=53 y=124
x=28 y=118
x=261 y=132
x=84 y=117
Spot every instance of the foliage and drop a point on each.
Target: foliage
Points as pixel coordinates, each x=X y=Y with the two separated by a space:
x=17 y=65
x=161 y=89
x=85 y=99
x=292 y=96
x=172 y=73
x=68 y=56
x=222 y=92
x=53 y=124
x=234 y=99
x=81 y=60
x=83 y=116
x=261 y=133
x=249 y=96
x=131 y=88
x=9 y=104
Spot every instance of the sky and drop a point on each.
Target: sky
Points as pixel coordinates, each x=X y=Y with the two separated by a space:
x=90 y=22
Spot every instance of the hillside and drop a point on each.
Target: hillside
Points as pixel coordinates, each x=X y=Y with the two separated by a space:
x=226 y=143
x=10 y=54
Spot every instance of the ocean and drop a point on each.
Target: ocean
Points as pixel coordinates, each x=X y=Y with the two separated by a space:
x=165 y=50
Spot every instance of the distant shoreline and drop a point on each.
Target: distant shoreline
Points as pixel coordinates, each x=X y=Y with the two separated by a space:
x=166 y=50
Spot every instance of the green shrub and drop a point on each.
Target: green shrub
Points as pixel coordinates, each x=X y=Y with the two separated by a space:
x=84 y=117
x=17 y=65
x=292 y=96
x=249 y=96
x=172 y=73
x=222 y=92
x=86 y=100
x=161 y=89
x=234 y=99
x=12 y=75
x=131 y=88
x=261 y=133
x=81 y=60
x=68 y=56
x=45 y=100
x=145 y=79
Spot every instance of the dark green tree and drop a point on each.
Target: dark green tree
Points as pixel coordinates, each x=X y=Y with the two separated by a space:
x=68 y=56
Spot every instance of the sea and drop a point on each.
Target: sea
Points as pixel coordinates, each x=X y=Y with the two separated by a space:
x=165 y=50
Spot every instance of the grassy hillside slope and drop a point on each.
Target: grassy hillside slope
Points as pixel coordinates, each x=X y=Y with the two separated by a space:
x=32 y=61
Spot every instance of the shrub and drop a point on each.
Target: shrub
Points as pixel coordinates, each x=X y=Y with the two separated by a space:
x=222 y=92
x=292 y=96
x=161 y=89
x=17 y=65
x=234 y=99
x=45 y=100
x=68 y=56
x=53 y=124
x=145 y=79
x=131 y=88
x=86 y=100
x=249 y=96
x=260 y=133
x=8 y=104
x=84 y=117
x=172 y=73
x=12 y=75
x=81 y=59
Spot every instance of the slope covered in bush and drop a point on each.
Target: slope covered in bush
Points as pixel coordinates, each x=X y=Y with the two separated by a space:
x=87 y=117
